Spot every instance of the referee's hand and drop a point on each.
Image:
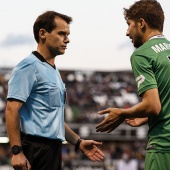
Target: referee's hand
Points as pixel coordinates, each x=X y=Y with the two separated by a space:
x=89 y=148
x=20 y=162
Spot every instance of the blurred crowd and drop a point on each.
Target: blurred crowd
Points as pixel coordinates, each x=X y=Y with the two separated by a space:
x=87 y=93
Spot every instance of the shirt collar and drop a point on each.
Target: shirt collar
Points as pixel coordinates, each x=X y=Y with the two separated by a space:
x=157 y=36
x=41 y=58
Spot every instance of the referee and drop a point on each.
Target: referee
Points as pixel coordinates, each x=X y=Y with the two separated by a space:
x=36 y=101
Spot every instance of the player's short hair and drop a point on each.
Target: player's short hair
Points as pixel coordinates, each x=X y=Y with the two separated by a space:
x=46 y=21
x=150 y=10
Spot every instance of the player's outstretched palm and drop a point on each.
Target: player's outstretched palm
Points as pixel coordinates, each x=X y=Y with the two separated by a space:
x=136 y=122
x=88 y=147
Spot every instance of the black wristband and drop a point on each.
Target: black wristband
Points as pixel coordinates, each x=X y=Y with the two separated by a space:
x=77 y=145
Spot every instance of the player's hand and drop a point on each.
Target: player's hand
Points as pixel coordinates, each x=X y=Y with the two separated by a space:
x=136 y=122
x=88 y=147
x=112 y=121
x=20 y=162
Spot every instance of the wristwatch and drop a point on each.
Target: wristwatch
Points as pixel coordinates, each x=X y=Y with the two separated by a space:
x=16 y=149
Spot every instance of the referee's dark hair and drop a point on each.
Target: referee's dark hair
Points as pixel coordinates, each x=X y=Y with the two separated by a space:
x=46 y=21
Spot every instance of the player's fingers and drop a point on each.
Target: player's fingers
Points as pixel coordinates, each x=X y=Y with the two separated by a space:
x=115 y=125
x=105 y=127
x=109 y=126
x=104 y=123
x=127 y=121
x=130 y=121
x=104 y=111
x=111 y=129
x=101 y=124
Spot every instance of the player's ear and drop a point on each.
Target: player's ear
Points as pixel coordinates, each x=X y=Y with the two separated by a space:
x=142 y=24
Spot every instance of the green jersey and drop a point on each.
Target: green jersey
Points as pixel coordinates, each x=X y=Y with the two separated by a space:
x=151 y=67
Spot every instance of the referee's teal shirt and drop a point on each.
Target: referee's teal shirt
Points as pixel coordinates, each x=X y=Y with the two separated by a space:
x=40 y=87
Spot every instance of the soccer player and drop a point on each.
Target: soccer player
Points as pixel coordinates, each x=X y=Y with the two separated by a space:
x=151 y=66
x=36 y=101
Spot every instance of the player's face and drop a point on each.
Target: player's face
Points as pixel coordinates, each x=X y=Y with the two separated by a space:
x=133 y=32
x=57 y=40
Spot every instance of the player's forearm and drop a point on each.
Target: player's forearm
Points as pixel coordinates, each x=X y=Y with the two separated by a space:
x=140 y=110
x=150 y=106
x=137 y=111
x=71 y=136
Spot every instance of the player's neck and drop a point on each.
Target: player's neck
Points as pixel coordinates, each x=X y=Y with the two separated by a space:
x=153 y=33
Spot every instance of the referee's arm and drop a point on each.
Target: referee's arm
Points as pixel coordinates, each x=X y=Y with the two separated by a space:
x=70 y=136
x=13 y=128
x=13 y=121
x=87 y=147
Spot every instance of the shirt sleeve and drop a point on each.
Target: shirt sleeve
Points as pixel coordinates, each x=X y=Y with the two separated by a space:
x=143 y=71
x=21 y=83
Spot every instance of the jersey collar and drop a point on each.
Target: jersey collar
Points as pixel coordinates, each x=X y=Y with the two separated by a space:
x=157 y=36
x=41 y=58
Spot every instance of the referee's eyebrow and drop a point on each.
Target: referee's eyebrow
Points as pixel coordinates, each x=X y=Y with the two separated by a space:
x=64 y=33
